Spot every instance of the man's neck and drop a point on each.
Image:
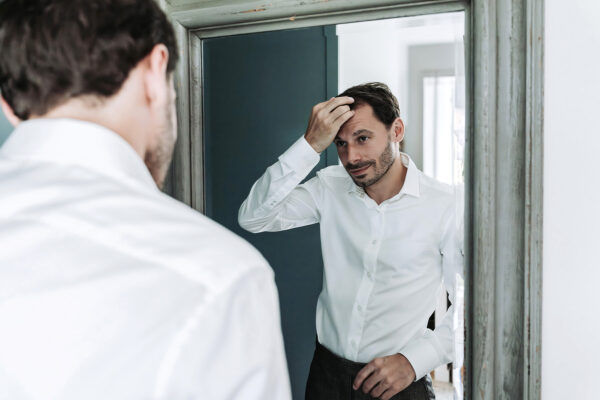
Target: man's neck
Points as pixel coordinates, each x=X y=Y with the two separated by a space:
x=105 y=115
x=390 y=184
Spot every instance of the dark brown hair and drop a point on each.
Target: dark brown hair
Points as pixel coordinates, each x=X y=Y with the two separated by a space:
x=54 y=50
x=379 y=96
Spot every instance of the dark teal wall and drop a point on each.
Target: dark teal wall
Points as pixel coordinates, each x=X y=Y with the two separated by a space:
x=258 y=93
x=5 y=128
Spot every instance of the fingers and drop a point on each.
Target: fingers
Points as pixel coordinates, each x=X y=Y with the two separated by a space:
x=384 y=377
x=379 y=389
x=338 y=111
x=379 y=380
x=373 y=382
x=388 y=394
x=341 y=120
x=325 y=121
x=362 y=375
x=339 y=116
x=331 y=104
x=333 y=108
x=335 y=102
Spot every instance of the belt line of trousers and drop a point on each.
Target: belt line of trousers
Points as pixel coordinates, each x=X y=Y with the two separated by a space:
x=331 y=378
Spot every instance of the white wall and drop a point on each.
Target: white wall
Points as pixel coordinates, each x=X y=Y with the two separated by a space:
x=379 y=51
x=371 y=51
x=571 y=316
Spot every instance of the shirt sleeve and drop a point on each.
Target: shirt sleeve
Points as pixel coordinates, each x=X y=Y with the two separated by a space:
x=437 y=347
x=277 y=201
x=234 y=348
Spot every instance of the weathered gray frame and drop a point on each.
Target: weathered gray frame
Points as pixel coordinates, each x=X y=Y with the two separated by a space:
x=504 y=60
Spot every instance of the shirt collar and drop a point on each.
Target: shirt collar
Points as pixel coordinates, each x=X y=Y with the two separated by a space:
x=411 y=181
x=77 y=143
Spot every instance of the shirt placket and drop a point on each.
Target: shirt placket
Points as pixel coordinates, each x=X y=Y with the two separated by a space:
x=365 y=288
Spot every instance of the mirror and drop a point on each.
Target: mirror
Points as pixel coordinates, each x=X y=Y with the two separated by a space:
x=258 y=91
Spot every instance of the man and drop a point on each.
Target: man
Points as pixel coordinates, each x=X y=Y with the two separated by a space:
x=388 y=241
x=109 y=289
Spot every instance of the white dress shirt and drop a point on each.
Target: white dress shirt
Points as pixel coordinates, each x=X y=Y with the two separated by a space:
x=383 y=264
x=110 y=289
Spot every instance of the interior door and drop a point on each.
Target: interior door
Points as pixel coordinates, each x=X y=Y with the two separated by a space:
x=258 y=93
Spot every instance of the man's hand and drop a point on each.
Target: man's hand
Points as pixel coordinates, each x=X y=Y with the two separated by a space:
x=385 y=377
x=325 y=121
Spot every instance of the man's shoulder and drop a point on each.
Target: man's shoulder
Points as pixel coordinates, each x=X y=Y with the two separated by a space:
x=443 y=196
x=199 y=247
x=430 y=186
x=145 y=224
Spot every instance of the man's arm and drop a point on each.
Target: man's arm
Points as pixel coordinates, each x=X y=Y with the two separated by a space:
x=231 y=348
x=384 y=377
x=277 y=201
x=435 y=348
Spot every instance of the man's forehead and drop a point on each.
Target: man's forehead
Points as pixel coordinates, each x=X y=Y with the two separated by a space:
x=363 y=108
x=363 y=121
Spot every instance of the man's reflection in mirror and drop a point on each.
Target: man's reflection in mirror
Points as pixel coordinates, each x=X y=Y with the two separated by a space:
x=390 y=243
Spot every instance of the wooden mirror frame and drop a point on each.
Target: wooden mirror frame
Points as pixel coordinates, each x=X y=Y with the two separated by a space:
x=503 y=168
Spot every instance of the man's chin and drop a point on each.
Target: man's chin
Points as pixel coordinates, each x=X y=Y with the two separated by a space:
x=360 y=180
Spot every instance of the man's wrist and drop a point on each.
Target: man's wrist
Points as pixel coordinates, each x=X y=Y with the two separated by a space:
x=422 y=356
x=313 y=143
x=411 y=368
x=300 y=157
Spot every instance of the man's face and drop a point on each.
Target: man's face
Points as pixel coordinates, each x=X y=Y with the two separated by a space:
x=365 y=147
x=159 y=156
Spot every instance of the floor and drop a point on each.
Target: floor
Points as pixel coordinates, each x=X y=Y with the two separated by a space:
x=443 y=390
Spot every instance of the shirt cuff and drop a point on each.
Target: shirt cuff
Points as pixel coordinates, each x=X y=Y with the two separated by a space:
x=300 y=157
x=422 y=355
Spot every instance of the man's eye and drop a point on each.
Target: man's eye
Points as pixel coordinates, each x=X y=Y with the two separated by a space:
x=362 y=139
x=340 y=143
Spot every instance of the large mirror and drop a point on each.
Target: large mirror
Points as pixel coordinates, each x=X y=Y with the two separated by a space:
x=257 y=94
x=461 y=123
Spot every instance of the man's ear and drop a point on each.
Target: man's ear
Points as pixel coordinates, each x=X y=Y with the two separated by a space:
x=155 y=74
x=397 y=130
x=8 y=112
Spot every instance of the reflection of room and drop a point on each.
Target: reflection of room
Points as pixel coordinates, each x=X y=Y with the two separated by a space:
x=408 y=54
x=422 y=60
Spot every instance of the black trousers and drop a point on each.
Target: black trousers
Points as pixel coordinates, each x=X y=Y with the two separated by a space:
x=331 y=378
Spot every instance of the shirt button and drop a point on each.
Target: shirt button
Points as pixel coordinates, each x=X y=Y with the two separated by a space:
x=374 y=241
x=359 y=308
x=369 y=275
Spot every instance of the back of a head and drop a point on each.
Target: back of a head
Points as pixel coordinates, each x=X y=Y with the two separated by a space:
x=56 y=50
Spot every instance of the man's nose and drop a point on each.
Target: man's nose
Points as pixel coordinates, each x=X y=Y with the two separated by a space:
x=353 y=154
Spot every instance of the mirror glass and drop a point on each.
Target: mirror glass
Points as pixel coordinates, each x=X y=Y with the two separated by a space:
x=258 y=91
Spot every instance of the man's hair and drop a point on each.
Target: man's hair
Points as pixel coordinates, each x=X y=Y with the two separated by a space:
x=55 y=50
x=379 y=96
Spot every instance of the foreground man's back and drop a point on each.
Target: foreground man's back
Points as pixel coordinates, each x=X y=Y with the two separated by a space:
x=110 y=289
